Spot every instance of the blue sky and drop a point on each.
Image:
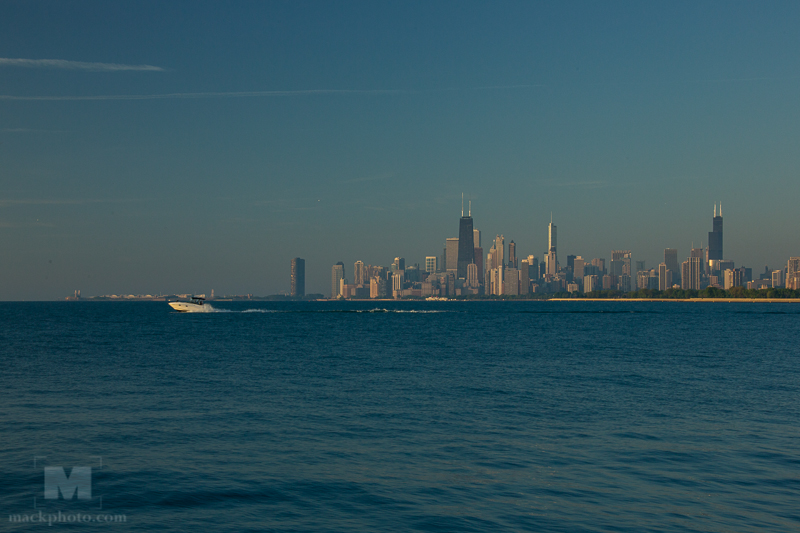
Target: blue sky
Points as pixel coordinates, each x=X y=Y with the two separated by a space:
x=186 y=146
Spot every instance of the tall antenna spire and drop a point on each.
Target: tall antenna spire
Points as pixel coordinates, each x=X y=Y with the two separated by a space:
x=462 y=204
x=720 y=209
x=715 y=210
x=470 y=208
x=551 y=217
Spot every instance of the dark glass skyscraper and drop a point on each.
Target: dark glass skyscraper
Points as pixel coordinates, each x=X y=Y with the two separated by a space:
x=715 y=237
x=298 y=289
x=466 y=244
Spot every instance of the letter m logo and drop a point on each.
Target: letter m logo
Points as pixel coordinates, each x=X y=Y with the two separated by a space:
x=56 y=480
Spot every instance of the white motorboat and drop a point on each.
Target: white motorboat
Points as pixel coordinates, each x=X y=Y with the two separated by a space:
x=196 y=304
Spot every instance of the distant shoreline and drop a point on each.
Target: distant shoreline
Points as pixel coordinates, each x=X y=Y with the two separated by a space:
x=510 y=300
x=748 y=300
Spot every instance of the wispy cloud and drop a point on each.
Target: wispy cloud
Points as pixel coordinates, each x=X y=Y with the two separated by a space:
x=64 y=201
x=174 y=96
x=587 y=184
x=29 y=130
x=256 y=94
x=73 y=65
x=20 y=225
x=366 y=179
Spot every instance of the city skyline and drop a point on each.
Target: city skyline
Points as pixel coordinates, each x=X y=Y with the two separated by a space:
x=602 y=250
x=671 y=257
x=506 y=275
x=143 y=153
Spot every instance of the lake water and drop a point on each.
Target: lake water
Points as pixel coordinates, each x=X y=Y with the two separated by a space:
x=401 y=416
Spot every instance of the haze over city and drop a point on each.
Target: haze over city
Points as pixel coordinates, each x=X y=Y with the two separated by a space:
x=208 y=145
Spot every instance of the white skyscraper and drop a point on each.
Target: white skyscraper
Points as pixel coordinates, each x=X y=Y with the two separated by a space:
x=499 y=248
x=431 y=264
x=472 y=275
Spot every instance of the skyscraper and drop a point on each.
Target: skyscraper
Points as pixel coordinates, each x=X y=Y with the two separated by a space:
x=671 y=260
x=715 y=236
x=298 y=279
x=624 y=262
x=451 y=256
x=664 y=281
x=512 y=254
x=359 y=273
x=552 y=253
x=499 y=249
x=466 y=242
x=510 y=281
x=600 y=264
x=533 y=267
x=337 y=275
x=397 y=284
x=479 y=262
x=691 y=271
x=577 y=272
x=487 y=285
x=472 y=276
x=793 y=273
x=524 y=277
x=733 y=278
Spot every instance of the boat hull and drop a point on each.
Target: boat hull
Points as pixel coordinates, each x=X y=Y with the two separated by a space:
x=188 y=307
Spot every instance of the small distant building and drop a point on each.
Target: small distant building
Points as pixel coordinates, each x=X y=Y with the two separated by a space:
x=572 y=287
x=758 y=284
x=432 y=264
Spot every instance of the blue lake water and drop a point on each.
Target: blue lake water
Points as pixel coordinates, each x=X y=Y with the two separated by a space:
x=427 y=416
